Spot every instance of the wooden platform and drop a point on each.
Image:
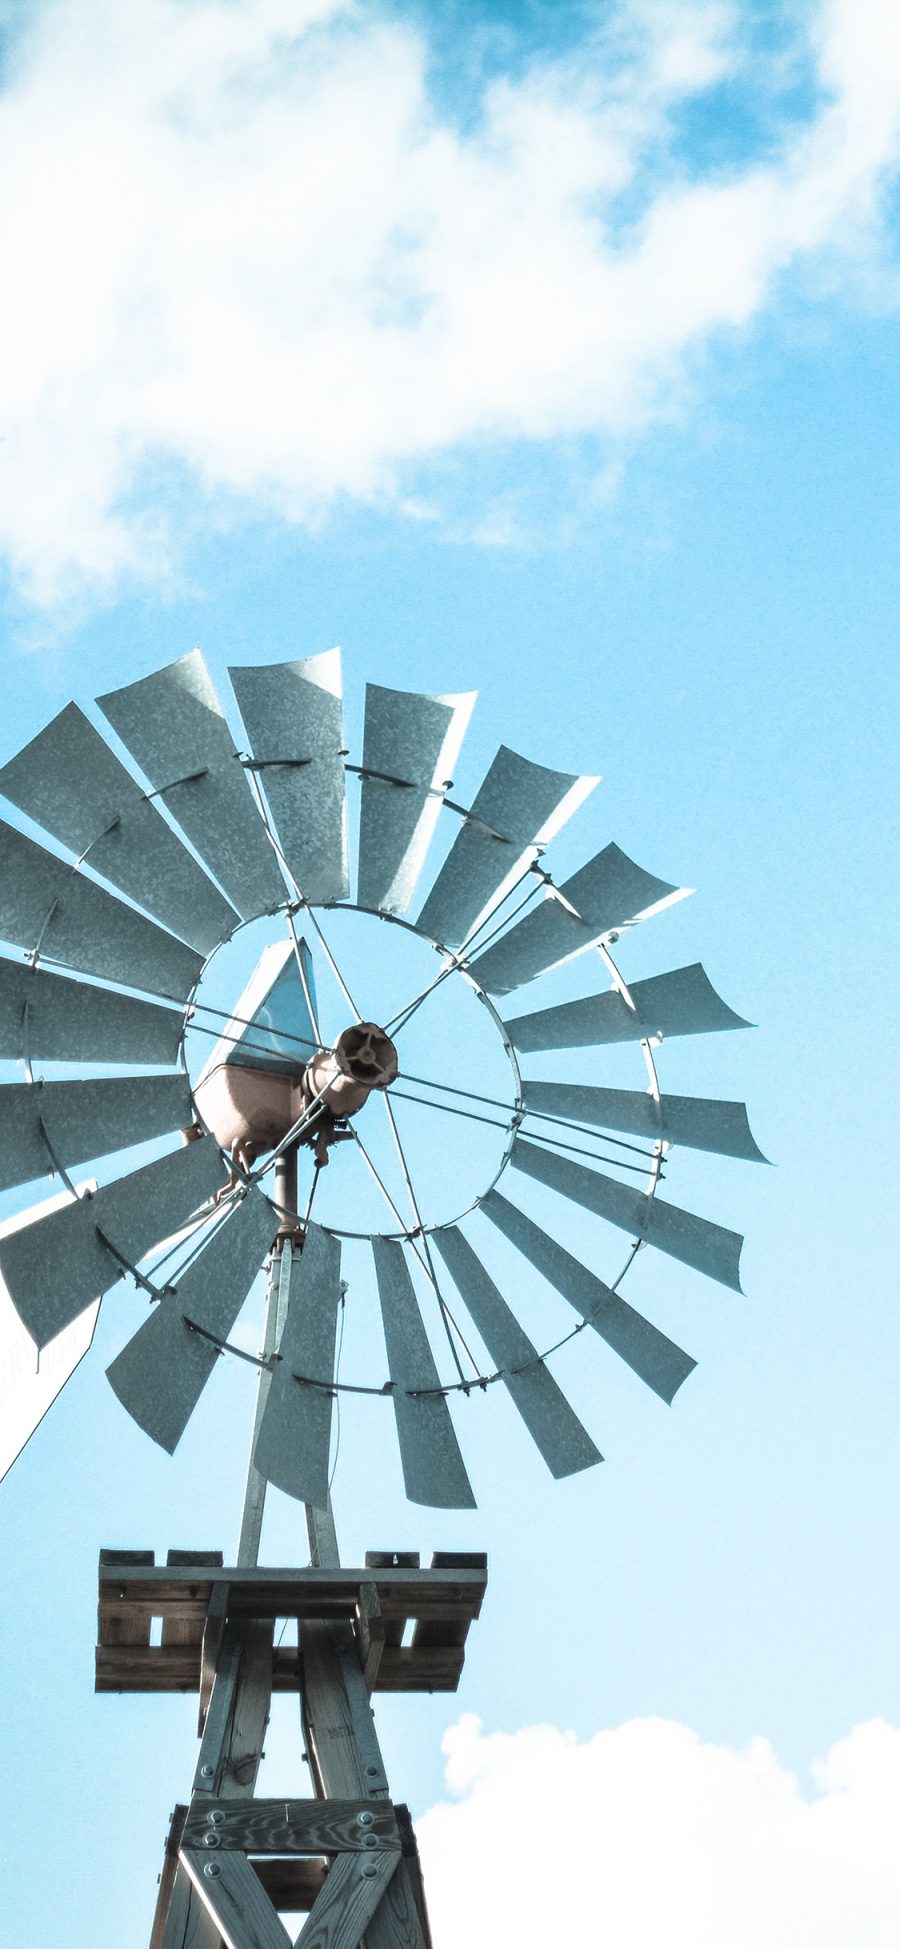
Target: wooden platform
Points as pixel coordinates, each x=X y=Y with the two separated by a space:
x=193 y=1594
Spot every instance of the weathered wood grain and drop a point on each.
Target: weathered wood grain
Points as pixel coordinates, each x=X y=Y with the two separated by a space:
x=220 y=1715
x=188 y=1630
x=211 y=1647
x=411 y=1870
x=348 y=1901
x=176 y=1668
x=431 y=1630
x=236 y=1900
x=185 y=1921
x=370 y=1634
x=129 y=1624
x=264 y=1592
x=393 y=1560
x=301 y=1826
x=344 y=1755
x=244 y=1749
x=180 y=1920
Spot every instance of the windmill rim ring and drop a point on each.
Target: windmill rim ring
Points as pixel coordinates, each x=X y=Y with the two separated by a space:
x=293 y=905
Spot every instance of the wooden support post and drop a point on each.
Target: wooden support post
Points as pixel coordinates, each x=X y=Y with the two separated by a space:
x=235 y=1900
x=230 y=1756
x=342 y=1744
x=348 y=1902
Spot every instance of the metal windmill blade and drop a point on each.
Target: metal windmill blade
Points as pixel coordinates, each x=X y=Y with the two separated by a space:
x=173 y=725
x=70 y=782
x=294 y=719
x=118 y=932
x=410 y=747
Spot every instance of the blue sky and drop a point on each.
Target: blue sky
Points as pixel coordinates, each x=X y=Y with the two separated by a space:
x=548 y=351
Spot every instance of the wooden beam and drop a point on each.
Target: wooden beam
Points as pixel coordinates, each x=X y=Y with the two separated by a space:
x=220 y=1715
x=431 y=1631
x=185 y=1922
x=348 y=1901
x=287 y=1826
x=211 y=1648
x=370 y=1630
x=411 y=1870
x=263 y=1592
x=127 y=1624
x=180 y=1920
x=176 y=1668
x=236 y=1900
x=188 y=1630
x=243 y=1754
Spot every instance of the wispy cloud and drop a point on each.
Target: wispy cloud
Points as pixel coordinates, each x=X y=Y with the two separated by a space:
x=245 y=248
x=645 y=1834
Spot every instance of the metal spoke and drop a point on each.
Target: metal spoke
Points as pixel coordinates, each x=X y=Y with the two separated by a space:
x=389 y=1200
x=245 y=1021
x=307 y=991
x=332 y=962
x=517 y=1117
x=457 y=960
x=300 y=895
x=444 y=1311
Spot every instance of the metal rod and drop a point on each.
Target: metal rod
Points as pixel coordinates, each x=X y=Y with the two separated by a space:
x=395 y=1209
x=425 y=1245
x=289 y=875
x=277 y=1293
x=307 y=992
x=286 y=1192
x=333 y=965
x=457 y=960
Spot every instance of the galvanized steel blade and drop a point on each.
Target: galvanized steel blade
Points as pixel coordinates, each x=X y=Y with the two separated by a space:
x=44 y=1125
x=294 y=1440
x=683 y=1235
x=173 y=724
x=161 y=1373
x=55 y=1267
x=609 y=892
x=70 y=782
x=700 y=1122
x=519 y=806
x=48 y=1017
x=648 y=1352
x=29 y=1382
x=295 y=726
x=46 y=904
x=415 y=740
x=433 y=1468
x=681 y=1002
x=552 y=1424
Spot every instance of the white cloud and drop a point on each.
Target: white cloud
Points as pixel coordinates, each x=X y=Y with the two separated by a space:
x=246 y=244
x=645 y=1835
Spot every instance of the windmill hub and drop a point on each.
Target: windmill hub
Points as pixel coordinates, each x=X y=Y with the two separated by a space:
x=249 y=1110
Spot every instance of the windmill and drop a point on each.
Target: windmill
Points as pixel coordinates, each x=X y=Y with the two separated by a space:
x=209 y=836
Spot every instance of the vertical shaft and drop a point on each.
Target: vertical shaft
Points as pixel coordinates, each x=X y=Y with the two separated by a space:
x=277 y=1293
